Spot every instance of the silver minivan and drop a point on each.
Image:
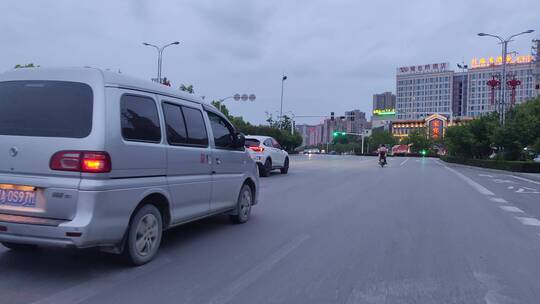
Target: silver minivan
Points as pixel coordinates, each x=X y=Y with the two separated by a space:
x=90 y=158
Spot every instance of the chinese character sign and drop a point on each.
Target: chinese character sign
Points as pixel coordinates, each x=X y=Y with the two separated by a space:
x=435 y=128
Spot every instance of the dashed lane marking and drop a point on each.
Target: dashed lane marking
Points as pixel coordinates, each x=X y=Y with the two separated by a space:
x=248 y=278
x=403 y=162
x=475 y=185
x=511 y=209
x=498 y=200
x=529 y=221
x=486 y=175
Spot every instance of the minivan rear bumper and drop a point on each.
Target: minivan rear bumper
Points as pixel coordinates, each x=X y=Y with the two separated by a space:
x=65 y=234
x=100 y=221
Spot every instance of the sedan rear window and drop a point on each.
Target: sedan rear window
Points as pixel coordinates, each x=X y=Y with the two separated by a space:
x=46 y=109
x=251 y=142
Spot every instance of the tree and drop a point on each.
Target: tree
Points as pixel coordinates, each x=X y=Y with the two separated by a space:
x=459 y=141
x=28 y=65
x=189 y=88
x=379 y=137
x=418 y=140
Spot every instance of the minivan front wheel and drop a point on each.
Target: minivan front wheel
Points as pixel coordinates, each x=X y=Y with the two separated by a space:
x=144 y=235
x=243 y=207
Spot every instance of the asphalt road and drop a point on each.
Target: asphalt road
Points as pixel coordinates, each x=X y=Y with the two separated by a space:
x=334 y=230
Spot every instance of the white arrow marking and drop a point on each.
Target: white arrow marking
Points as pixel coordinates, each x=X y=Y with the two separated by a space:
x=504 y=181
x=526 y=190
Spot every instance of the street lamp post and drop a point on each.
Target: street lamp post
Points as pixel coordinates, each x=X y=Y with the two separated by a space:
x=283 y=78
x=160 y=56
x=504 y=43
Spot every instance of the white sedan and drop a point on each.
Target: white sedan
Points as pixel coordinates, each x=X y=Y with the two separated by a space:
x=268 y=154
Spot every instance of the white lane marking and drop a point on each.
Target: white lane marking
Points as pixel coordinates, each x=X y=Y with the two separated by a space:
x=485 y=175
x=94 y=286
x=525 y=179
x=493 y=295
x=511 y=209
x=403 y=162
x=530 y=221
x=475 y=185
x=504 y=181
x=510 y=187
x=526 y=190
x=498 y=200
x=248 y=278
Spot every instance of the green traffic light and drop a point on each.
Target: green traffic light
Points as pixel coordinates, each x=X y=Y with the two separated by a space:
x=423 y=152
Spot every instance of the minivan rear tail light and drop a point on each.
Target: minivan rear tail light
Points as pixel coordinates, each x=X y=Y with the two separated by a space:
x=81 y=161
x=257 y=149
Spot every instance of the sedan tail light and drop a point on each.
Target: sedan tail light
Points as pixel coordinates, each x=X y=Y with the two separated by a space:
x=257 y=149
x=81 y=161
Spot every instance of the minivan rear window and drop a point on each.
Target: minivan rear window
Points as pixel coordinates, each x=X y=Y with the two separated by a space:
x=46 y=109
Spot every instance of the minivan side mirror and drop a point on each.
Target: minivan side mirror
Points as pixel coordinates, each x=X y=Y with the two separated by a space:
x=239 y=140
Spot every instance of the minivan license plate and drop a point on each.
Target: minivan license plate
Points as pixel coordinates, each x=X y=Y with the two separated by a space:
x=12 y=196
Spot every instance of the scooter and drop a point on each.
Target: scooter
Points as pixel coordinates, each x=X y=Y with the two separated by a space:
x=382 y=162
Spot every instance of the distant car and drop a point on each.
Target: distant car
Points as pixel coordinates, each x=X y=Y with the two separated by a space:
x=268 y=154
x=332 y=153
x=537 y=158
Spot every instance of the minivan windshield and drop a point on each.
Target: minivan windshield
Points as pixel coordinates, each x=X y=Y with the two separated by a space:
x=45 y=109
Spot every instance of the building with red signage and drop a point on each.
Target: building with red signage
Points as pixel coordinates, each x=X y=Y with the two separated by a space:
x=521 y=82
x=434 y=126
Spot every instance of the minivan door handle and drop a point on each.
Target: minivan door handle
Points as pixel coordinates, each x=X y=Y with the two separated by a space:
x=218 y=161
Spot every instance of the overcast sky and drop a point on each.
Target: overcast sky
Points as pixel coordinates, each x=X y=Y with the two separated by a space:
x=337 y=54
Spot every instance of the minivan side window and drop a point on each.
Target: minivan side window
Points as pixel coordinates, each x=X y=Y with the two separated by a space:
x=175 y=124
x=140 y=120
x=195 y=126
x=223 y=131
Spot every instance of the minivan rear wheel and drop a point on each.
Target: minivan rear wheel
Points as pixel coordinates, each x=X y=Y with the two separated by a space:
x=144 y=235
x=243 y=207
x=17 y=246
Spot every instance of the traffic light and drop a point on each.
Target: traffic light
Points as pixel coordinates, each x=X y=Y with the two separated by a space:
x=332 y=116
x=337 y=133
x=423 y=152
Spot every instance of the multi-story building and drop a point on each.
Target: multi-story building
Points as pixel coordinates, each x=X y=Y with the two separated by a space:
x=459 y=94
x=384 y=111
x=422 y=90
x=483 y=99
x=311 y=134
x=384 y=101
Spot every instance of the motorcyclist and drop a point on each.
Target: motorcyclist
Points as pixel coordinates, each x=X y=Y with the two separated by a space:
x=382 y=151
